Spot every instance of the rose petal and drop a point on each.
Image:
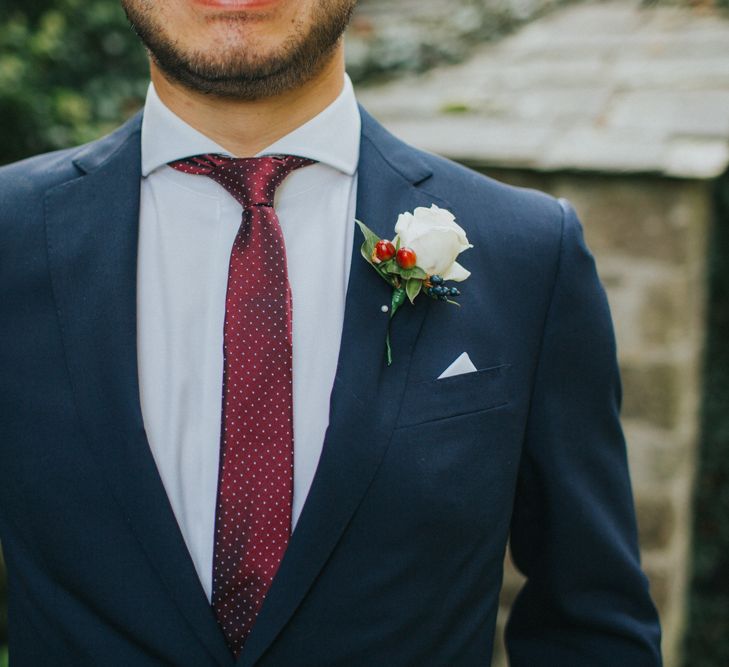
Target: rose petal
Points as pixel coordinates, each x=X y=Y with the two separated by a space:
x=404 y=221
x=436 y=250
x=457 y=273
x=439 y=217
x=434 y=215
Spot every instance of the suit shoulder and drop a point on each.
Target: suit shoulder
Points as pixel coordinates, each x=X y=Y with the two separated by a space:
x=31 y=177
x=478 y=197
x=23 y=183
x=457 y=181
x=523 y=214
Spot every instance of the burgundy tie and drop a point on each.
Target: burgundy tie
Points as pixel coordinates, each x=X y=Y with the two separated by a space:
x=255 y=484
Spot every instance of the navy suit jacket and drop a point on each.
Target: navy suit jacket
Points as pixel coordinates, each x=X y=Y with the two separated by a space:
x=397 y=557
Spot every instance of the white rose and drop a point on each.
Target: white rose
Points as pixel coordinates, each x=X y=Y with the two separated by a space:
x=436 y=239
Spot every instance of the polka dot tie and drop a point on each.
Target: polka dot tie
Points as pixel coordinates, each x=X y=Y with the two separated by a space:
x=255 y=485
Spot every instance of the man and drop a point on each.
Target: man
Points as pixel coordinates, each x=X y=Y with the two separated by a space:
x=177 y=261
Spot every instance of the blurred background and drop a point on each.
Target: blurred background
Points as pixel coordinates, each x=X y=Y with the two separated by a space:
x=622 y=106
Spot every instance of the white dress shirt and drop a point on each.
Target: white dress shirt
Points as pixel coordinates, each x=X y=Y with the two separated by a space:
x=187 y=225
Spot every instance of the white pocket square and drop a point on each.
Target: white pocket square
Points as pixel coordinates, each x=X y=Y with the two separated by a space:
x=460 y=366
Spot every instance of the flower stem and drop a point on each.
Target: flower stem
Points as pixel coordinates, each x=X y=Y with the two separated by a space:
x=398 y=298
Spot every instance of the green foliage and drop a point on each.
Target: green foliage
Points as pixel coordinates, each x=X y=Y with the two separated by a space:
x=413 y=287
x=70 y=71
x=707 y=641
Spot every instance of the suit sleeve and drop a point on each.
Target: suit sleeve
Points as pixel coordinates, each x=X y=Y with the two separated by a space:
x=573 y=531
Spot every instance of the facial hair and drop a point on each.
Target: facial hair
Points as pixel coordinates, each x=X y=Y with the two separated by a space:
x=236 y=73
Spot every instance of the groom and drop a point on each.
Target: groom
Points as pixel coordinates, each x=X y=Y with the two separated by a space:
x=205 y=457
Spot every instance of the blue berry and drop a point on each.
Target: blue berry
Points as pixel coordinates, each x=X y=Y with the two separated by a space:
x=454 y=291
x=436 y=280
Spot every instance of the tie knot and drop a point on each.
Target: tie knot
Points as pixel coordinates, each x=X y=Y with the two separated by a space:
x=252 y=181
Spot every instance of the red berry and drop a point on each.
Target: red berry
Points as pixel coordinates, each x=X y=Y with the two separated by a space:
x=406 y=258
x=384 y=250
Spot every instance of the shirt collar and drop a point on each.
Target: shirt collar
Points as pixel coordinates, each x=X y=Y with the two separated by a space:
x=331 y=137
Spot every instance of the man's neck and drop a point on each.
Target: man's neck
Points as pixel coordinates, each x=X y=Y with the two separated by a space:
x=245 y=128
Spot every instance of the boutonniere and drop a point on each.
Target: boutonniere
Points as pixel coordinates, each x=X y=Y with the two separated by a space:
x=421 y=257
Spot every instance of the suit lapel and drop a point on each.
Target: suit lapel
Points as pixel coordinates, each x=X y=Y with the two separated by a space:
x=92 y=228
x=366 y=395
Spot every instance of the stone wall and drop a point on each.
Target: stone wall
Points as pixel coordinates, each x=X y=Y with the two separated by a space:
x=649 y=238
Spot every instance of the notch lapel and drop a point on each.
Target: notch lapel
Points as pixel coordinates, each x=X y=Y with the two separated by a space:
x=92 y=229
x=366 y=395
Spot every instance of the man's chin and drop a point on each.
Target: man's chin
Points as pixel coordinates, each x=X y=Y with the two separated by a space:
x=212 y=63
x=246 y=82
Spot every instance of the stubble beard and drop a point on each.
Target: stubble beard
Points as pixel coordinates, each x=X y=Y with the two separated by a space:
x=237 y=71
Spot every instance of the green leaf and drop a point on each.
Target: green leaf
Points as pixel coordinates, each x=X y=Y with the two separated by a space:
x=413 y=287
x=370 y=241
x=367 y=248
x=398 y=298
x=415 y=272
x=390 y=266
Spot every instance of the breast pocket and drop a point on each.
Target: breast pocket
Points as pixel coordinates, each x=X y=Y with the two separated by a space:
x=464 y=394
